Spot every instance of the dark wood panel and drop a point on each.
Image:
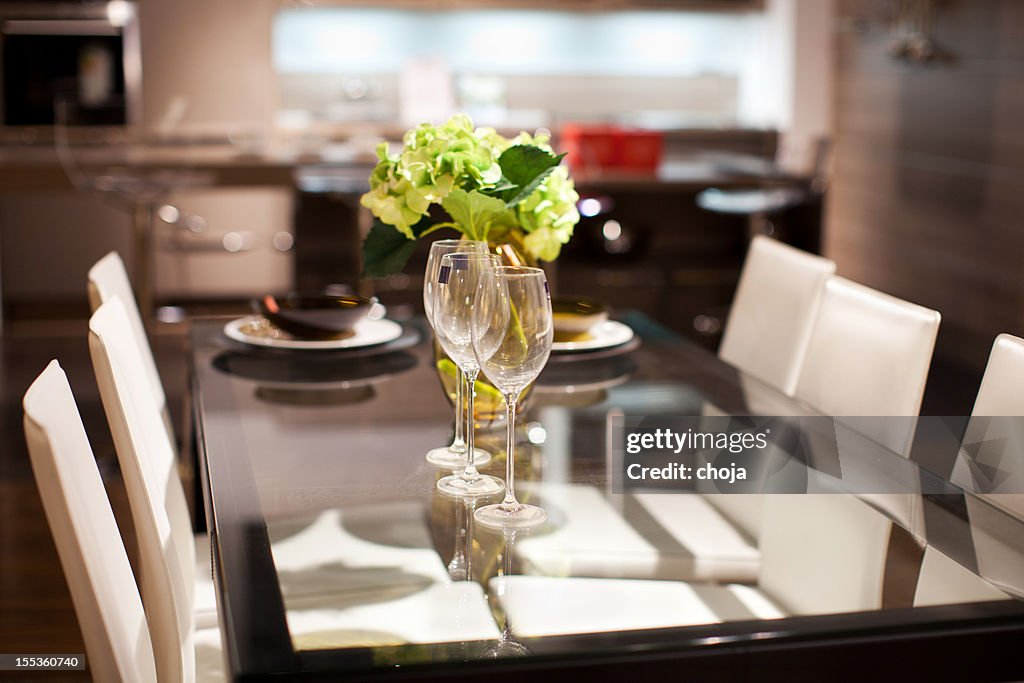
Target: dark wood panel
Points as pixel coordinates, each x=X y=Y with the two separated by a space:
x=927 y=194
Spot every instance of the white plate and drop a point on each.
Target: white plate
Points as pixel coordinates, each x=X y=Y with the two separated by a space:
x=606 y=335
x=367 y=333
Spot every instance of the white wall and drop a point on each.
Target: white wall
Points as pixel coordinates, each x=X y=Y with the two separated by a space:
x=212 y=55
x=787 y=80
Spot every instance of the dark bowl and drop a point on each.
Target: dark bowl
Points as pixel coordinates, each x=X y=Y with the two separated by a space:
x=577 y=315
x=315 y=316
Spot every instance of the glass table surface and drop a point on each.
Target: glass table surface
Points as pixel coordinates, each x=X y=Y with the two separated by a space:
x=334 y=553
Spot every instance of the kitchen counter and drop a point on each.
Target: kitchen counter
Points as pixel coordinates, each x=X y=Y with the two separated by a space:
x=344 y=166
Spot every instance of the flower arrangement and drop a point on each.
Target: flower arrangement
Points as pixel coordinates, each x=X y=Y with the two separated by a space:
x=491 y=188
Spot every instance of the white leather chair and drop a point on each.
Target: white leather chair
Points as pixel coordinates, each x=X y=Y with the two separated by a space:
x=868 y=359
x=766 y=336
x=821 y=554
x=770 y=319
x=868 y=355
x=108 y=279
x=943 y=581
x=1000 y=391
x=116 y=629
x=650 y=536
x=999 y=396
x=173 y=586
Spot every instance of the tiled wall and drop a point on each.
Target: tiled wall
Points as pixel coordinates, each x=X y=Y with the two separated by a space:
x=674 y=68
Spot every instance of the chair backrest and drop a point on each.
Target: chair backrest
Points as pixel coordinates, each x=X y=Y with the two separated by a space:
x=1000 y=392
x=108 y=279
x=868 y=355
x=773 y=310
x=943 y=581
x=155 y=494
x=999 y=396
x=103 y=589
x=823 y=553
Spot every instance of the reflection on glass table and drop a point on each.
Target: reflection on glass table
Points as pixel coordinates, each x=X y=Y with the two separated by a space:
x=334 y=547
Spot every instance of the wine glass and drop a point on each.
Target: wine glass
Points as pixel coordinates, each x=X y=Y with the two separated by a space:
x=453 y=456
x=458 y=279
x=512 y=333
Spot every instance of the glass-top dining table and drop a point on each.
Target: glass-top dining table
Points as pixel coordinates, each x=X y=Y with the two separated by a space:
x=334 y=556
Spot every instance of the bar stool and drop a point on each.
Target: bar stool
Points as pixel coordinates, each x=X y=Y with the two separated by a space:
x=762 y=205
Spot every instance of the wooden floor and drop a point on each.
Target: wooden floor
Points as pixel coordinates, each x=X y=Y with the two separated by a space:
x=36 y=613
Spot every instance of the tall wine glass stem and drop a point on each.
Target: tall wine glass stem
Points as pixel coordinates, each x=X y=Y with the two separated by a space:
x=470 y=510
x=510 y=540
x=510 y=503
x=459 y=444
x=470 y=374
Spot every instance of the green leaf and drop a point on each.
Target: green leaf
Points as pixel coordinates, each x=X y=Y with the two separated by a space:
x=475 y=212
x=386 y=251
x=503 y=186
x=526 y=167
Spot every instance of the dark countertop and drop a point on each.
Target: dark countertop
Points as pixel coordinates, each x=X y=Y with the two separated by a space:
x=344 y=165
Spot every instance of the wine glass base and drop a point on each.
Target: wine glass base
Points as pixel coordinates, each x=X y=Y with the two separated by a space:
x=483 y=485
x=497 y=517
x=447 y=459
x=457 y=570
x=505 y=648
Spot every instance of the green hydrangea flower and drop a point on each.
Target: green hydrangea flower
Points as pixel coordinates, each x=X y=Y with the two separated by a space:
x=549 y=215
x=458 y=167
x=434 y=160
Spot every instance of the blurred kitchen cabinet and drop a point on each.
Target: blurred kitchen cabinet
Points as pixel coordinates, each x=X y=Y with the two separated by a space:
x=215 y=244
x=235 y=243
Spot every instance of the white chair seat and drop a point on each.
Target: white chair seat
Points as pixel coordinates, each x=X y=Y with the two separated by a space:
x=655 y=536
x=944 y=581
x=436 y=613
x=720 y=552
x=369 y=575
x=210 y=665
x=544 y=606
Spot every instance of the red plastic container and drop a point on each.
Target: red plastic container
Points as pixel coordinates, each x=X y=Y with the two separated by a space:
x=640 y=150
x=603 y=147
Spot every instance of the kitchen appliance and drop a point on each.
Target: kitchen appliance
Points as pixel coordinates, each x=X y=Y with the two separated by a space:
x=88 y=53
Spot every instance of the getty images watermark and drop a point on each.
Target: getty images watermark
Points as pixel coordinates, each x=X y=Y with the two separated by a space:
x=665 y=440
x=816 y=454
